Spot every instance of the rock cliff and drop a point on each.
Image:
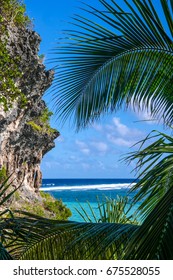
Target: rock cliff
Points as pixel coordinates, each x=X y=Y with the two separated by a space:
x=25 y=136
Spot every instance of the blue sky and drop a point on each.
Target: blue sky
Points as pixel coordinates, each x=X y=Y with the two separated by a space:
x=97 y=151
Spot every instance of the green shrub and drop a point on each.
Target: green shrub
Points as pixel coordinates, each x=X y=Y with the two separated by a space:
x=45 y=116
x=3 y=174
x=42 y=122
x=12 y=13
x=34 y=126
x=59 y=210
x=35 y=209
x=16 y=196
x=49 y=207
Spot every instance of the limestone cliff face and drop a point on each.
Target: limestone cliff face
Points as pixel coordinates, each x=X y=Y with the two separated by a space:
x=22 y=147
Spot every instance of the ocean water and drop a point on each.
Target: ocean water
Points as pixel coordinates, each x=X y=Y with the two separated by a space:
x=73 y=191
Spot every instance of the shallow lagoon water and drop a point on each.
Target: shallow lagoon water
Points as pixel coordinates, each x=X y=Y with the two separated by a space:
x=72 y=191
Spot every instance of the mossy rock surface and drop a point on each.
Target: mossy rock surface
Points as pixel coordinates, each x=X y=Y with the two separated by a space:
x=45 y=206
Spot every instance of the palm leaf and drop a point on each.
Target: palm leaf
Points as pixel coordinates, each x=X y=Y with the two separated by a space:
x=154 y=239
x=5 y=195
x=25 y=238
x=84 y=213
x=109 y=211
x=154 y=165
x=127 y=61
x=4 y=255
x=81 y=242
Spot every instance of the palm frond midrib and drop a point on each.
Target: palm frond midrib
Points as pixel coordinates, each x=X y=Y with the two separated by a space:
x=122 y=54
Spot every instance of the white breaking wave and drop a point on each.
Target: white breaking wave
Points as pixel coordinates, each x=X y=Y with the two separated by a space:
x=89 y=187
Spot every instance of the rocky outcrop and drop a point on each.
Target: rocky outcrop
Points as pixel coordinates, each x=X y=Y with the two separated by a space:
x=22 y=146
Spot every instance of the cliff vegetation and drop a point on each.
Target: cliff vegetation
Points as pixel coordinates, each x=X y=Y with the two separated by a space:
x=25 y=131
x=12 y=14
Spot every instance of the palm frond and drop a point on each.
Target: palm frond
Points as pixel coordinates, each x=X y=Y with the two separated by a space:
x=81 y=242
x=5 y=194
x=154 y=239
x=155 y=170
x=25 y=238
x=109 y=210
x=4 y=255
x=129 y=60
x=169 y=14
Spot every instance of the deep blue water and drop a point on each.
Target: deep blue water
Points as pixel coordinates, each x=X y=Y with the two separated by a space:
x=71 y=190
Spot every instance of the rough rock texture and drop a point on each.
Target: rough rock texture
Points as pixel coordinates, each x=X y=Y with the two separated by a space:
x=21 y=146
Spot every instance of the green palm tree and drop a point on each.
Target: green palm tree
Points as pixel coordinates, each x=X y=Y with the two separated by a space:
x=128 y=60
x=109 y=210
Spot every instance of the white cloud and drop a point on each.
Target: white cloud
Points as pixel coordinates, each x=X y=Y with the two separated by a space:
x=81 y=144
x=121 y=135
x=60 y=139
x=72 y=158
x=83 y=147
x=121 y=128
x=100 y=146
x=50 y=164
x=116 y=133
x=86 y=148
x=109 y=127
x=85 y=151
x=124 y=130
x=120 y=141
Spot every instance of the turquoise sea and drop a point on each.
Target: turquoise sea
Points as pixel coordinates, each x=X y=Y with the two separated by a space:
x=83 y=190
